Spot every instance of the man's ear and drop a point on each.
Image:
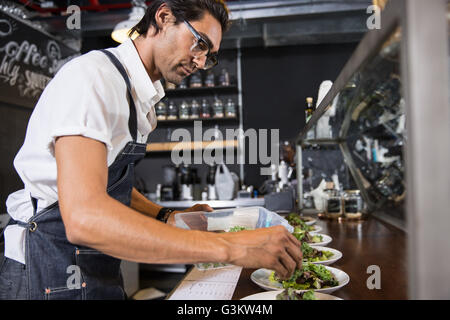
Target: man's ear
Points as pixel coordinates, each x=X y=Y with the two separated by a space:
x=164 y=16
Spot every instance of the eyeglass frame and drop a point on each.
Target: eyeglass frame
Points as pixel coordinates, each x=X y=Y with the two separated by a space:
x=199 y=38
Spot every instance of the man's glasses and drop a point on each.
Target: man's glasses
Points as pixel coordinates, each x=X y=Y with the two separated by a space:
x=201 y=47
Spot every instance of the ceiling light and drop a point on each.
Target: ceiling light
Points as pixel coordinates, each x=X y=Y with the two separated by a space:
x=120 y=32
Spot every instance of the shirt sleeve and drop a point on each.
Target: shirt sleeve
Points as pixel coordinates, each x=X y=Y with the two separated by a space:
x=81 y=102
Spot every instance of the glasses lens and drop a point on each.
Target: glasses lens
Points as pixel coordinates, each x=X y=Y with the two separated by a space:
x=211 y=61
x=200 y=47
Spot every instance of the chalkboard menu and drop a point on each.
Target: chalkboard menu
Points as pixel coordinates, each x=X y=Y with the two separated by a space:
x=29 y=58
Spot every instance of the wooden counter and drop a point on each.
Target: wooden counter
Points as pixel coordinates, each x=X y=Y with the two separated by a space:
x=362 y=243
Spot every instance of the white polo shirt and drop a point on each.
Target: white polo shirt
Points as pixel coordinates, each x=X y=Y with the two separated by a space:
x=88 y=97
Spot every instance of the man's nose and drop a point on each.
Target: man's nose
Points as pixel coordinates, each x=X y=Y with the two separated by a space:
x=200 y=62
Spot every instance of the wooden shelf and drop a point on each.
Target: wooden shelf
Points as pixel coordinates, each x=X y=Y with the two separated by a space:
x=193 y=145
x=201 y=90
x=191 y=121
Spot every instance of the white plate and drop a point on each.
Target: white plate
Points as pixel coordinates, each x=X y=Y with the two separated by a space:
x=317 y=229
x=272 y=295
x=310 y=223
x=261 y=278
x=336 y=255
x=326 y=239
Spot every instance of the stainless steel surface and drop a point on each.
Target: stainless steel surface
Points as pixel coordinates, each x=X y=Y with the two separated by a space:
x=215 y=204
x=425 y=72
x=299 y=165
x=241 y=143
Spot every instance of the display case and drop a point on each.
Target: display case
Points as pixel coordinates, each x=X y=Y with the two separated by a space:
x=388 y=115
x=365 y=122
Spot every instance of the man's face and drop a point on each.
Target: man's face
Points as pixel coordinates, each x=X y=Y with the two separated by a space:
x=174 y=58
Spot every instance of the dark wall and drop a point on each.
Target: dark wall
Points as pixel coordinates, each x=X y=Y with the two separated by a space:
x=13 y=125
x=276 y=82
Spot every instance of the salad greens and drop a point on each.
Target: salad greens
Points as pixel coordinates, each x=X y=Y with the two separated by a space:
x=238 y=228
x=291 y=294
x=310 y=276
x=294 y=220
x=311 y=254
x=303 y=235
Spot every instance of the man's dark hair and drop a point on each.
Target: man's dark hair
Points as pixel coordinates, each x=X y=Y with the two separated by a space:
x=190 y=10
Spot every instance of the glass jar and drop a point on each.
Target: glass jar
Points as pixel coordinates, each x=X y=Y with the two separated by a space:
x=217 y=108
x=333 y=205
x=183 y=113
x=230 y=109
x=224 y=78
x=209 y=79
x=353 y=204
x=196 y=80
x=206 y=109
x=195 y=110
x=172 y=111
x=183 y=84
x=161 y=111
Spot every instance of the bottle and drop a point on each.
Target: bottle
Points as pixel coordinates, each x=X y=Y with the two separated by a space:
x=217 y=108
x=224 y=78
x=195 y=110
x=206 y=109
x=230 y=109
x=209 y=80
x=183 y=84
x=210 y=181
x=196 y=80
x=184 y=110
x=186 y=183
x=161 y=111
x=309 y=109
x=172 y=111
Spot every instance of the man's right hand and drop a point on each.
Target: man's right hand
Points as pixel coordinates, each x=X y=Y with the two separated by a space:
x=272 y=248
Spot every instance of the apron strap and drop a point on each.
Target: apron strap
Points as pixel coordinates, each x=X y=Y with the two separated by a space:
x=132 y=121
x=34 y=204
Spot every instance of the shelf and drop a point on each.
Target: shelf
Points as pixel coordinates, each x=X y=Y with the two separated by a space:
x=188 y=121
x=215 y=204
x=201 y=90
x=193 y=145
x=321 y=141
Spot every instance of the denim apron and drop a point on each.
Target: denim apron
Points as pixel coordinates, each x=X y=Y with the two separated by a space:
x=58 y=269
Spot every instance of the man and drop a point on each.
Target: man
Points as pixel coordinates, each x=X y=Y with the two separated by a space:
x=78 y=210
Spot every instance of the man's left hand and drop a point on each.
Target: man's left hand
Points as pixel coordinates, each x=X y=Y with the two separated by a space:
x=194 y=208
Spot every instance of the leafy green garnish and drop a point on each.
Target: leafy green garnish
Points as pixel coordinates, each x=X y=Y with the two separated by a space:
x=310 y=276
x=309 y=295
x=237 y=228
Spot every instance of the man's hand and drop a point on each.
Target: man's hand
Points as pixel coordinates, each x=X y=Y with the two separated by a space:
x=273 y=248
x=197 y=207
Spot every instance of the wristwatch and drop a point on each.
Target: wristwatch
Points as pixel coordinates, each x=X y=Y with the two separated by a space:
x=163 y=214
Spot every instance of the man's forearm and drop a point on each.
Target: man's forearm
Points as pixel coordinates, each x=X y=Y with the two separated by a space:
x=119 y=231
x=141 y=204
